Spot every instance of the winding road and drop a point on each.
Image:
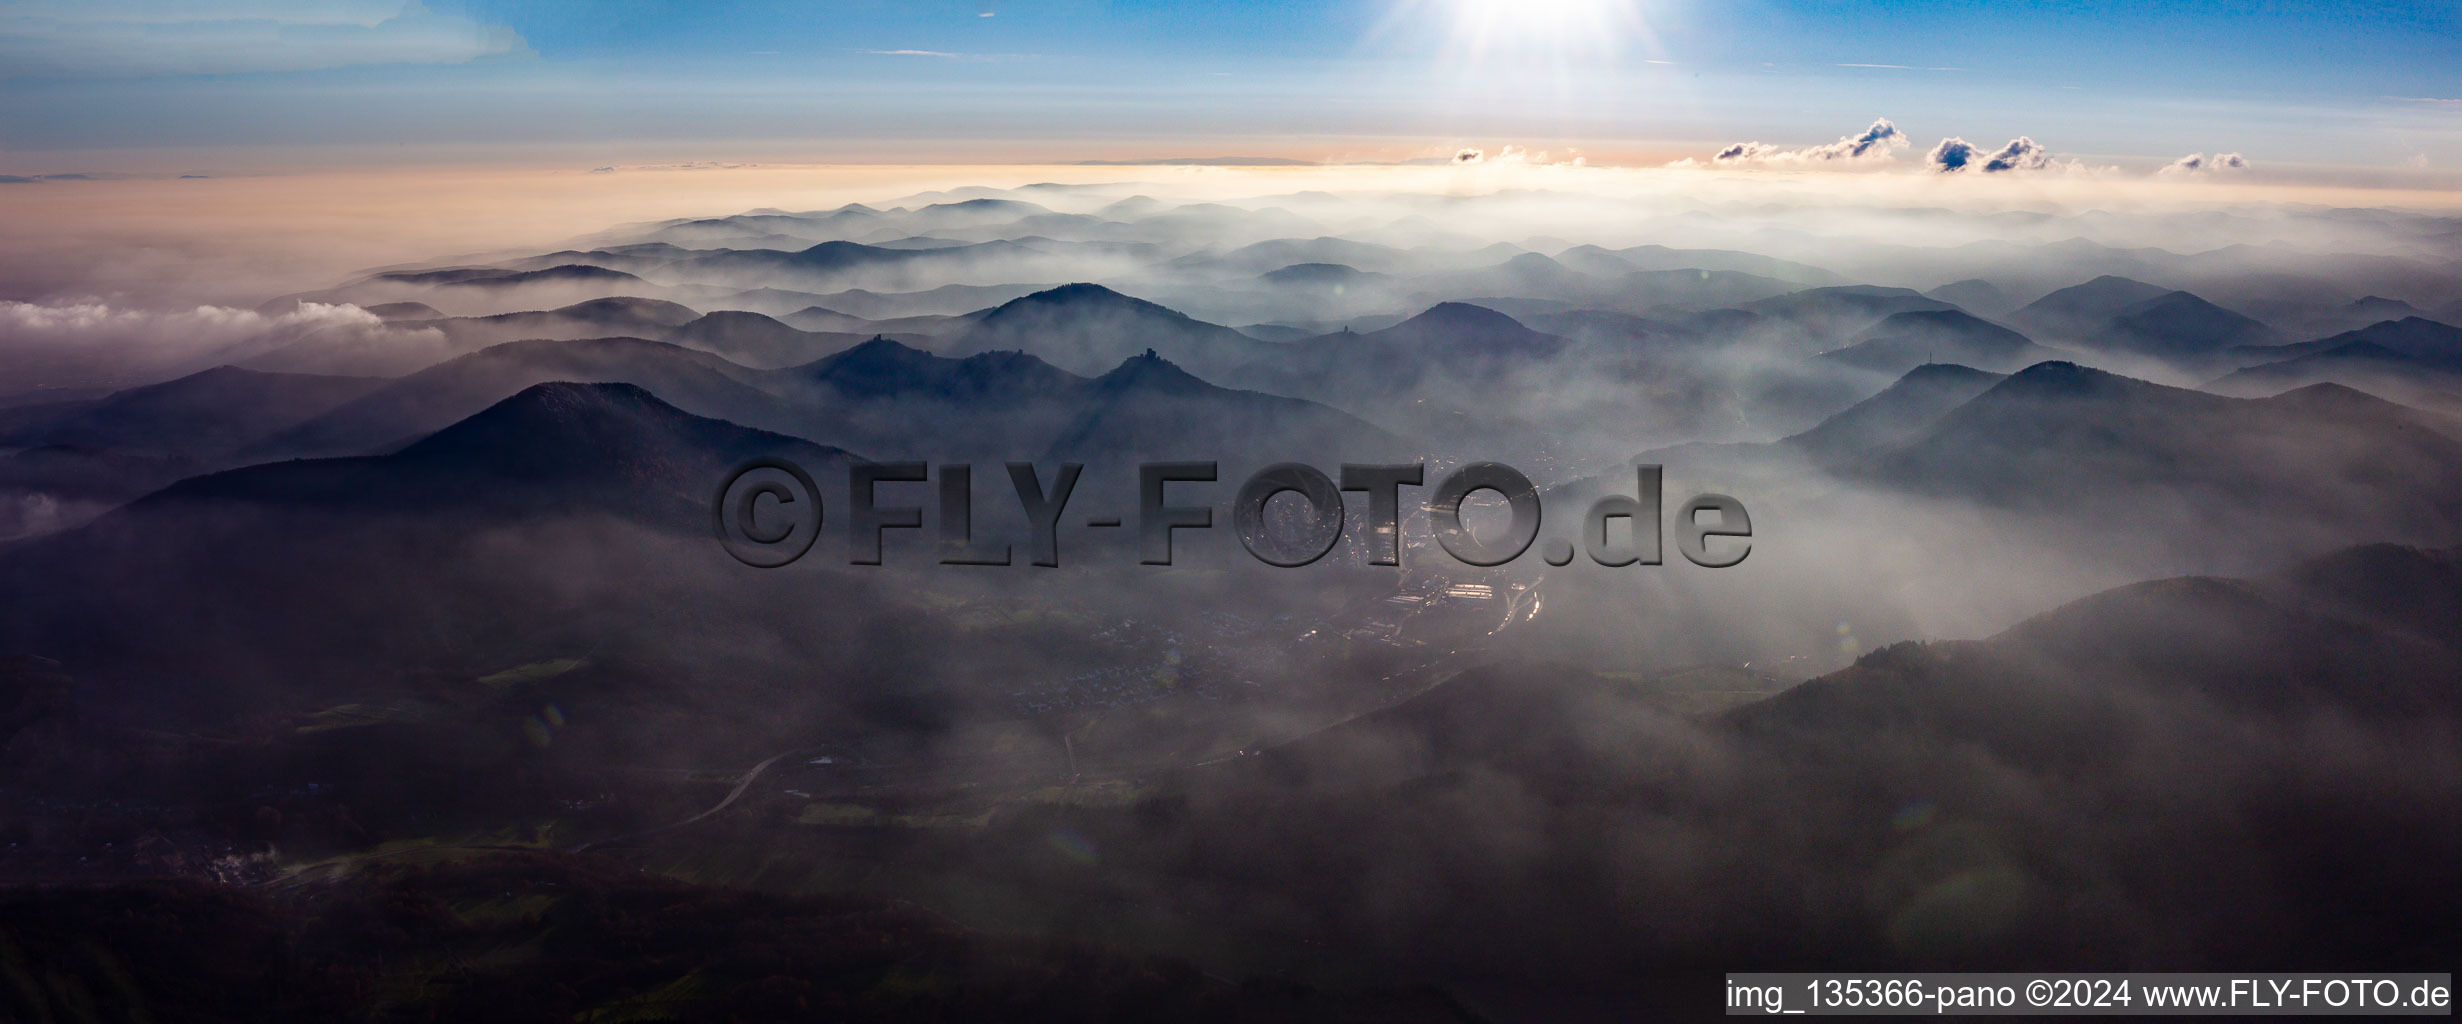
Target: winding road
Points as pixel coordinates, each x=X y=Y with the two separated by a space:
x=732 y=795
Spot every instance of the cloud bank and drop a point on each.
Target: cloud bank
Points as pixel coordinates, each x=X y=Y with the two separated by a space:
x=155 y=341
x=1878 y=142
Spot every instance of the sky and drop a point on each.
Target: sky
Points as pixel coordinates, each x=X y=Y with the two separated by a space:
x=161 y=86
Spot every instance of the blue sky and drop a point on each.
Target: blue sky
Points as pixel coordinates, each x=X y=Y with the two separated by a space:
x=2286 y=81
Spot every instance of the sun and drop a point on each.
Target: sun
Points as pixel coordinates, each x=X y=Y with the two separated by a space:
x=1551 y=30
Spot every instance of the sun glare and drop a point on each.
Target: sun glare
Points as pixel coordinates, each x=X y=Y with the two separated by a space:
x=1548 y=30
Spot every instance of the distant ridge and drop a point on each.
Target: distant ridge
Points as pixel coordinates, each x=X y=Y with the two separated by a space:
x=2063 y=438
x=1087 y=329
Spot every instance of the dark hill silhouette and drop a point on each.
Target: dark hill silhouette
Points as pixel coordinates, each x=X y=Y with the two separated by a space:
x=1975 y=295
x=1600 y=326
x=1318 y=275
x=757 y=341
x=1904 y=341
x=1954 y=801
x=1133 y=206
x=1895 y=416
x=2338 y=632
x=235 y=573
x=1463 y=332
x=475 y=290
x=758 y=229
x=2360 y=312
x=2066 y=440
x=883 y=396
x=1448 y=345
x=1841 y=312
x=405 y=311
x=203 y=415
x=619 y=316
x=55 y=487
x=80 y=458
x=1592 y=259
x=946 y=300
x=93 y=474
x=436 y=397
x=2378 y=307
x=492 y=277
x=2179 y=328
x=2417 y=336
x=1149 y=409
x=894 y=401
x=824 y=319
x=560 y=446
x=837 y=265
x=1531 y=273
x=571 y=448
x=556 y=448
x=1846 y=442
x=1765 y=356
x=2402 y=588
x=2369 y=366
x=1087 y=329
x=2081 y=307
x=622 y=311
x=1278 y=333
x=883 y=367
x=1260 y=257
x=1434 y=376
x=968 y=212
x=644 y=258
x=777 y=302
x=443 y=337
x=751 y=339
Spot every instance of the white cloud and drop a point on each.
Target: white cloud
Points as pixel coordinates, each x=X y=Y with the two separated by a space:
x=2199 y=163
x=1955 y=155
x=1881 y=141
x=142 y=339
x=137 y=38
